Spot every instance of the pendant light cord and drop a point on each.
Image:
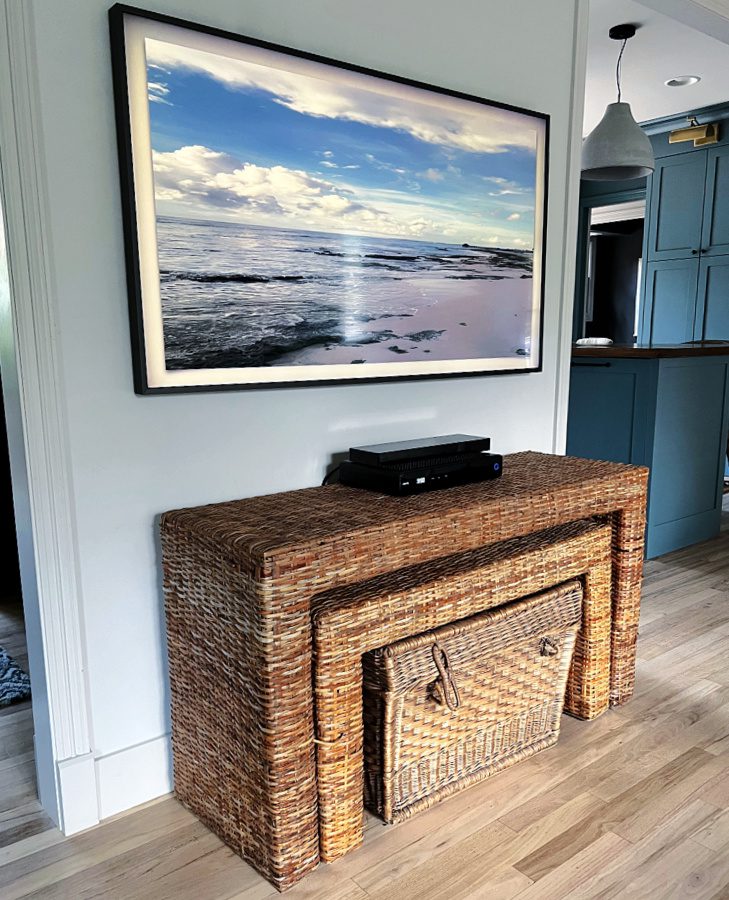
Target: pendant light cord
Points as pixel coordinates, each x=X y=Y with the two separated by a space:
x=618 y=67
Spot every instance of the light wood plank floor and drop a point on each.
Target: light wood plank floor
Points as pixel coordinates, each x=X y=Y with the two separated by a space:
x=635 y=804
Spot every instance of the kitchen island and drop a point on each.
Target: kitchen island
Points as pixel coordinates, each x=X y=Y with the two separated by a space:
x=665 y=407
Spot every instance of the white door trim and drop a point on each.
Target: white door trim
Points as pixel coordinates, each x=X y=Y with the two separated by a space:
x=42 y=414
x=574 y=159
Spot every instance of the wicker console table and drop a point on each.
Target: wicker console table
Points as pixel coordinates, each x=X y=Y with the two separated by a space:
x=240 y=578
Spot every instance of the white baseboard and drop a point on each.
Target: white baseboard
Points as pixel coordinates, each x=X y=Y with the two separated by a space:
x=134 y=776
x=77 y=789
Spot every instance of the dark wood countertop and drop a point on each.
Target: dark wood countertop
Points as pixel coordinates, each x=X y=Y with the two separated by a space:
x=653 y=351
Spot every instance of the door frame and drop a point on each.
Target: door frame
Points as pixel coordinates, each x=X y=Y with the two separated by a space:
x=38 y=439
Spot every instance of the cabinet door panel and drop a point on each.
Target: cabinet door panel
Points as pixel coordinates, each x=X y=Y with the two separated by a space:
x=715 y=236
x=670 y=301
x=677 y=205
x=712 y=311
x=610 y=409
x=689 y=439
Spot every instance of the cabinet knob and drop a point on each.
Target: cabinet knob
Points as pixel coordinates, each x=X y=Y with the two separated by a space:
x=694 y=252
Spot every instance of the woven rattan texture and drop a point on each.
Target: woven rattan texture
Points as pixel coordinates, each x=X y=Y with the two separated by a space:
x=454 y=705
x=349 y=622
x=239 y=578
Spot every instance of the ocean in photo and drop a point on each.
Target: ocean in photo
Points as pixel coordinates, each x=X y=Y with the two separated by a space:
x=237 y=296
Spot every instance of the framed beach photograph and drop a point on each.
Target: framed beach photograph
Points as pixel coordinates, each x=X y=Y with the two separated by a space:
x=290 y=219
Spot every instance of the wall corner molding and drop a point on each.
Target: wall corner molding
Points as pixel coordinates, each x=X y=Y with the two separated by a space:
x=718 y=112
x=711 y=17
x=719 y=7
x=39 y=374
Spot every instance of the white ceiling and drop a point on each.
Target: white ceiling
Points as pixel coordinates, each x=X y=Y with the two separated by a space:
x=661 y=49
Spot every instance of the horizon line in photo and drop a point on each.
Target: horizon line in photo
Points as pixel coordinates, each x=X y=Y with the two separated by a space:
x=240 y=223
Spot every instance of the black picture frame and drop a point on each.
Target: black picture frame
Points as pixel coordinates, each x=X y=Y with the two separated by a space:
x=129 y=203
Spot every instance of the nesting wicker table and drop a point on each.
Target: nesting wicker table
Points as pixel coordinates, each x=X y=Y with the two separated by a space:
x=240 y=580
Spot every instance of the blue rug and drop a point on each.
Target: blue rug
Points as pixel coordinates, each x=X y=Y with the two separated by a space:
x=14 y=682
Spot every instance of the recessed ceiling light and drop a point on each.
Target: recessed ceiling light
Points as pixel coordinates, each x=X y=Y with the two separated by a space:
x=683 y=80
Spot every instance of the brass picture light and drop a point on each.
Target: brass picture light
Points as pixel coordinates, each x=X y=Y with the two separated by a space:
x=701 y=135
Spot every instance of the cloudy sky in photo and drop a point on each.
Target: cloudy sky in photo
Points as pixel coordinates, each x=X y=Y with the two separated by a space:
x=294 y=144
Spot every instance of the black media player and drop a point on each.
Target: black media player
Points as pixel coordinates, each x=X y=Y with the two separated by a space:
x=413 y=467
x=420 y=449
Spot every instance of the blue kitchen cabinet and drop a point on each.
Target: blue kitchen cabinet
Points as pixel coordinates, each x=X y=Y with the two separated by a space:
x=667 y=413
x=712 y=308
x=669 y=304
x=715 y=229
x=687 y=249
x=676 y=207
x=608 y=413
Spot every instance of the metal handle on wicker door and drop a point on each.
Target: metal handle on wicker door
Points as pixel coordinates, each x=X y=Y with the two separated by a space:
x=450 y=688
x=548 y=647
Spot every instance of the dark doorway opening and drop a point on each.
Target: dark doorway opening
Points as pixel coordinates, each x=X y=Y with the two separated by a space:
x=614 y=273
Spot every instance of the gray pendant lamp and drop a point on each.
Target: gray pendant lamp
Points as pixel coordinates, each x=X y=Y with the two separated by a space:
x=616 y=149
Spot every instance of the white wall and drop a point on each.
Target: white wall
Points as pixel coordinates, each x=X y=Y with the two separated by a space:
x=134 y=457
